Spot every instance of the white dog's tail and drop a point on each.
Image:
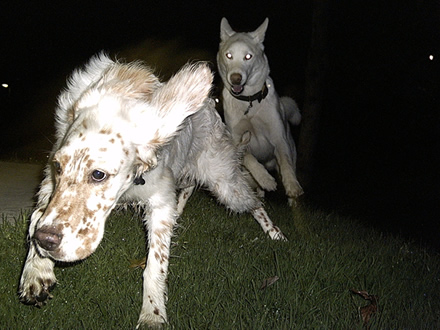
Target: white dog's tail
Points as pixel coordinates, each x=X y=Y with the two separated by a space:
x=293 y=115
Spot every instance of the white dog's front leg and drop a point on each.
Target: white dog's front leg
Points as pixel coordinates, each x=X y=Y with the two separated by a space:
x=259 y=173
x=160 y=228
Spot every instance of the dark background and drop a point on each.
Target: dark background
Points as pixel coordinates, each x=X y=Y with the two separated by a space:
x=378 y=139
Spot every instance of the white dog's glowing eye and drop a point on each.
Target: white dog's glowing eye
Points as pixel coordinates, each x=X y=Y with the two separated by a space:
x=98 y=175
x=229 y=56
x=248 y=57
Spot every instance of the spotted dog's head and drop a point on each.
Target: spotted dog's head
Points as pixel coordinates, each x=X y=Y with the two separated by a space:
x=110 y=122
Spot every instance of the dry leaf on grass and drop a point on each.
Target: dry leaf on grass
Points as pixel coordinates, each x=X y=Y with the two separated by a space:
x=138 y=263
x=268 y=282
x=366 y=312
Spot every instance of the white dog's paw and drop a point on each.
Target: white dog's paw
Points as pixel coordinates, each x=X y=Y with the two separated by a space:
x=267 y=182
x=35 y=286
x=259 y=173
x=293 y=192
x=260 y=193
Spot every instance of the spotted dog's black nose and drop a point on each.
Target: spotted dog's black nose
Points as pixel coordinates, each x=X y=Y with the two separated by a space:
x=48 y=238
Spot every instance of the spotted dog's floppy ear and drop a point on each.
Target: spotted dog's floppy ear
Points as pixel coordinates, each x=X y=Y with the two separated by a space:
x=80 y=80
x=183 y=95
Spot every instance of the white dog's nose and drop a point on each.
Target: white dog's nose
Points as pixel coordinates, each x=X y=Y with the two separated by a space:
x=236 y=78
x=48 y=238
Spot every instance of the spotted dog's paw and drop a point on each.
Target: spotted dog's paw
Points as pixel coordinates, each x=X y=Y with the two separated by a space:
x=152 y=319
x=37 y=280
x=37 y=293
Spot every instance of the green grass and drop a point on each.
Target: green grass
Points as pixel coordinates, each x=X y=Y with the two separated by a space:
x=218 y=264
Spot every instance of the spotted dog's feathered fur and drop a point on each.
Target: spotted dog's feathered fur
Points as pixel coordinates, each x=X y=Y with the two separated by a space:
x=123 y=135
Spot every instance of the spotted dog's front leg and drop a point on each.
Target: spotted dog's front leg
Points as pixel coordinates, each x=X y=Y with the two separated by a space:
x=37 y=279
x=160 y=228
x=153 y=311
x=38 y=275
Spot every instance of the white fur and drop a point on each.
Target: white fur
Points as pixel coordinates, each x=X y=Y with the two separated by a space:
x=242 y=55
x=117 y=124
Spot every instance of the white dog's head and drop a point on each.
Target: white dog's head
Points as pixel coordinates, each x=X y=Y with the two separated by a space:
x=110 y=122
x=243 y=66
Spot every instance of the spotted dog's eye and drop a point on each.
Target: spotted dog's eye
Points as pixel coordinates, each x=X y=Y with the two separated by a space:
x=248 y=57
x=229 y=56
x=57 y=167
x=98 y=175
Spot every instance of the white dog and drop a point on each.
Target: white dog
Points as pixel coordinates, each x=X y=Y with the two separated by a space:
x=251 y=104
x=121 y=134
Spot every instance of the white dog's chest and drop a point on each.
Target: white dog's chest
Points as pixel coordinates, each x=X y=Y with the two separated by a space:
x=262 y=149
x=259 y=145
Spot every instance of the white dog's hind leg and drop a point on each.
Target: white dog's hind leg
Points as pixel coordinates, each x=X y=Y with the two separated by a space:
x=288 y=177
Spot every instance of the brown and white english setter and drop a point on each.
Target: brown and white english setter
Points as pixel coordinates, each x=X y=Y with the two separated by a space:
x=122 y=135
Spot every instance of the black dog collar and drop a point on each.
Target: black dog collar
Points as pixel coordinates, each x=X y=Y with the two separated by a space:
x=257 y=96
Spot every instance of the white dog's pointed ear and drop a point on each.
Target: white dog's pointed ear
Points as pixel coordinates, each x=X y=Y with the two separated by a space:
x=225 y=29
x=183 y=95
x=260 y=32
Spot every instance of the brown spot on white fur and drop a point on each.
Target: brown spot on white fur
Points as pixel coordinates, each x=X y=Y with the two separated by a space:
x=131 y=82
x=157 y=256
x=106 y=130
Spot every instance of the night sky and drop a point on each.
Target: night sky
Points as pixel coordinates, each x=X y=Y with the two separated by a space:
x=379 y=141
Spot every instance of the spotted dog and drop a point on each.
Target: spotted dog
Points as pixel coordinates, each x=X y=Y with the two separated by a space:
x=122 y=135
